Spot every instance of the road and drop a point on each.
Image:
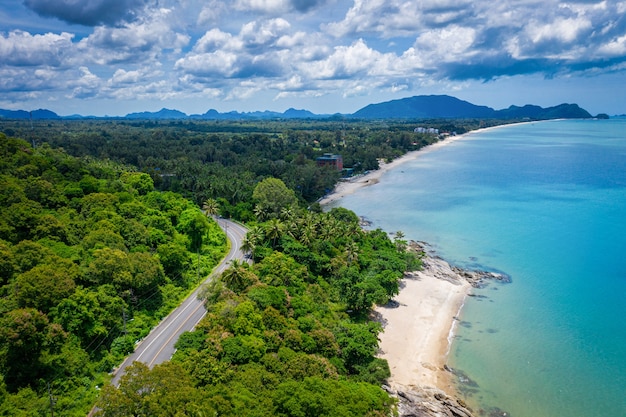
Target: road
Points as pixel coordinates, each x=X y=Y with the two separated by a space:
x=158 y=346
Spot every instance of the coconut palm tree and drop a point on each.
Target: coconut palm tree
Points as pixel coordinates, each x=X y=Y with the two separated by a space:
x=211 y=207
x=274 y=230
x=351 y=252
x=237 y=276
x=399 y=240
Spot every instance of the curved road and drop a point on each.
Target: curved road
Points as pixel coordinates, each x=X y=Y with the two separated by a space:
x=158 y=346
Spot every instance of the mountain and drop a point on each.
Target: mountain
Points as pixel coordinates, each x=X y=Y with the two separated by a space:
x=40 y=114
x=562 y=111
x=161 y=114
x=447 y=107
x=417 y=107
x=424 y=107
x=233 y=115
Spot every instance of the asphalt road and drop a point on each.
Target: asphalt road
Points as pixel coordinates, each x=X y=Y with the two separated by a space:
x=158 y=346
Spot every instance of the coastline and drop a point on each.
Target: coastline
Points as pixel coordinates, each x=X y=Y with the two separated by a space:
x=418 y=329
x=351 y=185
x=419 y=323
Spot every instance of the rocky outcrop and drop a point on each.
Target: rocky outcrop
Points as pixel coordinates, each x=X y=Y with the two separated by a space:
x=441 y=269
x=427 y=402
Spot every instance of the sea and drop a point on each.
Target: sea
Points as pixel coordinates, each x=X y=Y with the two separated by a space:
x=545 y=203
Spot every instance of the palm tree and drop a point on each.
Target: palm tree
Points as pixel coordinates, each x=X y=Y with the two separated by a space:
x=211 y=207
x=398 y=240
x=260 y=213
x=273 y=230
x=351 y=252
x=286 y=213
x=236 y=276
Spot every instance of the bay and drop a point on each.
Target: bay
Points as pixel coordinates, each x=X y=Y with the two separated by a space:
x=544 y=202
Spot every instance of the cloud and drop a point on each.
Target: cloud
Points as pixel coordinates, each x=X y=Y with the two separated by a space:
x=20 y=49
x=87 y=12
x=254 y=52
x=356 y=60
x=277 y=6
x=400 y=18
x=146 y=39
x=87 y=85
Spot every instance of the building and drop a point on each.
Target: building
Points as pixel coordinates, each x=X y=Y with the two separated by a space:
x=329 y=159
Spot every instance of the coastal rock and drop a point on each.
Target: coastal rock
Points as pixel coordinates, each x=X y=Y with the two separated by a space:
x=427 y=402
x=438 y=267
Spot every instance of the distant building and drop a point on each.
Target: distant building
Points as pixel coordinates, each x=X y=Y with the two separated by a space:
x=329 y=159
x=430 y=130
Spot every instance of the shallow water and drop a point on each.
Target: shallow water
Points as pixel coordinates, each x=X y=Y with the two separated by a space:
x=546 y=203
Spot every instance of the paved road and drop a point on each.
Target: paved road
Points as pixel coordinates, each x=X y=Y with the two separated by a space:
x=158 y=346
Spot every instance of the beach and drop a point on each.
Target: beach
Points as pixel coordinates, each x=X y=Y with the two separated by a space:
x=418 y=325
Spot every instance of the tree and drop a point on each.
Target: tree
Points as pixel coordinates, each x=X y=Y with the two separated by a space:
x=174 y=258
x=139 y=181
x=274 y=230
x=211 y=207
x=24 y=335
x=195 y=225
x=238 y=276
x=166 y=390
x=272 y=196
x=44 y=286
x=398 y=239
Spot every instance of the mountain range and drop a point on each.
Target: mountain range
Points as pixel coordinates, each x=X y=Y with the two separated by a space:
x=417 y=107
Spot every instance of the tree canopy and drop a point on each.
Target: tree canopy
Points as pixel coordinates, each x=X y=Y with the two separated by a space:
x=92 y=257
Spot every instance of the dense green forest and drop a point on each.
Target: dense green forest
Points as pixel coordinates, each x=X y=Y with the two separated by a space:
x=91 y=259
x=102 y=234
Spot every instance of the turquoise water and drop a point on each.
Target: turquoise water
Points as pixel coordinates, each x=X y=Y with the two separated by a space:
x=546 y=203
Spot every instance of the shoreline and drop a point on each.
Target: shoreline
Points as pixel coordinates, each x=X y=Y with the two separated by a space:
x=351 y=185
x=419 y=326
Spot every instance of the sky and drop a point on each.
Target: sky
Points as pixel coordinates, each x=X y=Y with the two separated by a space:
x=113 y=57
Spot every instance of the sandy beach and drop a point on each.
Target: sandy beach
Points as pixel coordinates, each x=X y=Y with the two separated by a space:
x=418 y=326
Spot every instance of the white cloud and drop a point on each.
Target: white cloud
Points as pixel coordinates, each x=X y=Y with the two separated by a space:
x=139 y=41
x=616 y=47
x=446 y=44
x=86 y=85
x=215 y=39
x=218 y=63
x=348 y=61
x=20 y=48
x=264 y=33
x=563 y=30
x=263 y=6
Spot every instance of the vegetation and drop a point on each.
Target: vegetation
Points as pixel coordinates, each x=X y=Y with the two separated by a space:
x=98 y=246
x=289 y=335
x=91 y=259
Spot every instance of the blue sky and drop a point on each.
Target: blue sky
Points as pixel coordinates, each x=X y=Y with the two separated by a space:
x=112 y=57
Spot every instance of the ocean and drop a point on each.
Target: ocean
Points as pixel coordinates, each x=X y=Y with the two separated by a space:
x=544 y=202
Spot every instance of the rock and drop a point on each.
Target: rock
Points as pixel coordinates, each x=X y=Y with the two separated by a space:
x=439 y=268
x=427 y=402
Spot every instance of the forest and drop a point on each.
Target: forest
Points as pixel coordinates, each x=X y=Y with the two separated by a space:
x=108 y=226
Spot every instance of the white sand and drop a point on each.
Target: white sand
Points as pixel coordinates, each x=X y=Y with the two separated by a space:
x=418 y=331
